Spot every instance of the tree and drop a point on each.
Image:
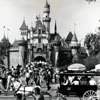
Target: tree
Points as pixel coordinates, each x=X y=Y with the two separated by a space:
x=64 y=58
x=92 y=43
x=90 y=62
x=4 y=45
x=91 y=1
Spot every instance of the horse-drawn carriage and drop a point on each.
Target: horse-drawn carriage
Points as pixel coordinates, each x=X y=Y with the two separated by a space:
x=83 y=91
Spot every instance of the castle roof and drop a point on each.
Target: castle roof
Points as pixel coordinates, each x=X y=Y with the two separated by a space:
x=74 y=41
x=15 y=43
x=69 y=37
x=57 y=38
x=4 y=39
x=74 y=38
x=52 y=36
x=40 y=25
x=24 y=26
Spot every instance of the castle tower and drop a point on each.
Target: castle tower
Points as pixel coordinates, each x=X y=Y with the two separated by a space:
x=56 y=45
x=6 y=43
x=22 y=52
x=30 y=52
x=49 y=52
x=24 y=30
x=55 y=28
x=46 y=19
x=74 y=44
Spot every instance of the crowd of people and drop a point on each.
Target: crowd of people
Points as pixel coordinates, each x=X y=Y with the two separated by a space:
x=31 y=74
x=75 y=80
x=39 y=75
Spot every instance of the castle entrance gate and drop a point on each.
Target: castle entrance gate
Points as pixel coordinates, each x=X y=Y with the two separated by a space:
x=40 y=60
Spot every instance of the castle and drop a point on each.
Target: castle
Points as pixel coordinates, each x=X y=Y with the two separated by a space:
x=38 y=44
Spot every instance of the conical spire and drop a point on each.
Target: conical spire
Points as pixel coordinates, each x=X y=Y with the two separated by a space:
x=46 y=5
x=74 y=38
x=4 y=37
x=55 y=28
x=24 y=26
x=74 y=41
x=4 y=31
x=57 y=38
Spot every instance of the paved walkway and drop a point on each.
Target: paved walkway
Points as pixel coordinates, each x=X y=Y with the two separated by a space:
x=52 y=91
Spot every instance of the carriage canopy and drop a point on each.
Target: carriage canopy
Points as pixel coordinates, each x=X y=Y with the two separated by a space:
x=77 y=67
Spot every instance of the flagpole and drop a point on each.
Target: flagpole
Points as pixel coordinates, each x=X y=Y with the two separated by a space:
x=4 y=30
x=7 y=33
x=74 y=27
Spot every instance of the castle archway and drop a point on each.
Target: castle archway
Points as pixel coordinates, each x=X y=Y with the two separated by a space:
x=39 y=58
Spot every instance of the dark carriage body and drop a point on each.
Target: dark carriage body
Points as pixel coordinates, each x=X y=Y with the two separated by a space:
x=77 y=90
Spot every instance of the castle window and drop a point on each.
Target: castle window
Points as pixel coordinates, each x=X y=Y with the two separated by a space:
x=39 y=50
x=39 y=31
x=39 y=40
x=39 y=35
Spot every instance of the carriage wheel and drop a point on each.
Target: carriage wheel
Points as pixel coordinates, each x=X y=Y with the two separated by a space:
x=95 y=98
x=61 y=98
x=89 y=95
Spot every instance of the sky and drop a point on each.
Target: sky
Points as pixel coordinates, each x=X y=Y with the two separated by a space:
x=67 y=13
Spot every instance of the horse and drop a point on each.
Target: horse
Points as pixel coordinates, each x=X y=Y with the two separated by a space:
x=43 y=78
x=24 y=90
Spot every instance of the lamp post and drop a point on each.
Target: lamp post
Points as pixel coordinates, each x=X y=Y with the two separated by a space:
x=7 y=32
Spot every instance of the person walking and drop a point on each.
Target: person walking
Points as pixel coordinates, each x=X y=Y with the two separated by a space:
x=37 y=94
x=27 y=75
x=48 y=80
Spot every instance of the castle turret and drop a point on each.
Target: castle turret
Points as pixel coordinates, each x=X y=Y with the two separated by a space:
x=56 y=45
x=74 y=44
x=30 y=55
x=55 y=28
x=24 y=30
x=46 y=19
x=6 y=44
x=49 y=51
x=22 y=52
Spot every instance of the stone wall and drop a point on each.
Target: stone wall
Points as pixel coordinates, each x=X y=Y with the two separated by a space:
x=14 y=57
x=5 y=62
